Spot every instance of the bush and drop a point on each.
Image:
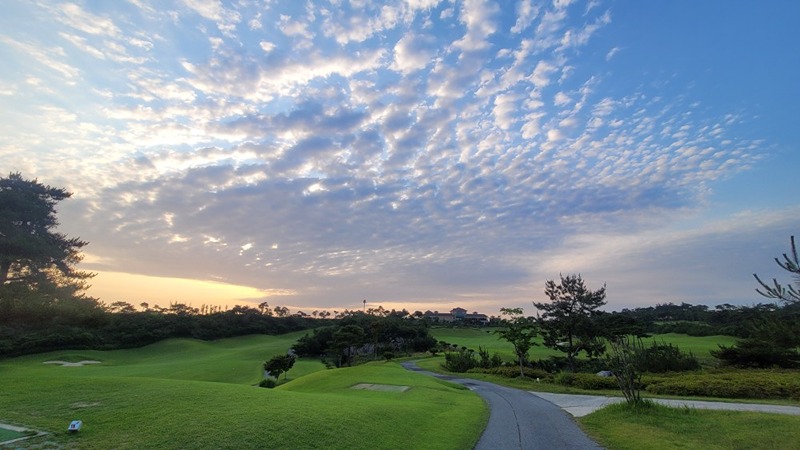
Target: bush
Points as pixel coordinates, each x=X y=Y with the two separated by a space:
x=556 y=364
x=588 y=381
x=592 y=381
x=663 y=357
x=756 y=384
x=757 y=353
x=268 y=383
x=460 y=361
x=486 y=361
x=564 y=378
x=513 y=372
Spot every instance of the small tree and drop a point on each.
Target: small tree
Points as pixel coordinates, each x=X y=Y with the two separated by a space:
x=786 y=293
x=280 y=364
x=521 y=332
x=567 y=322
x=626 y=363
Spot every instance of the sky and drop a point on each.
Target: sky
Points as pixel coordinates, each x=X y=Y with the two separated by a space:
x=416 y=154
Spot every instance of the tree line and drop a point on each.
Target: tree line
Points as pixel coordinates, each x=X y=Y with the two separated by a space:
x=43 y=307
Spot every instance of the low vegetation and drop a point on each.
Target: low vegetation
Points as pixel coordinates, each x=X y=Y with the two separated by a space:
x=670 y=371
x=620 y=427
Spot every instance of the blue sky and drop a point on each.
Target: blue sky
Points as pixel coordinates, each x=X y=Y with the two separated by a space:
x=421 y=154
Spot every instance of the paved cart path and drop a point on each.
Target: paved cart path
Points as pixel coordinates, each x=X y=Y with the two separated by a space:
x=540 y=420
x=520 y=419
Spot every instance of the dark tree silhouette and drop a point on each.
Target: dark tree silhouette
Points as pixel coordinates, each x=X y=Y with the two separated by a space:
x=31 y=252
x=786 y=293
x=280 y=364
x=568 y=321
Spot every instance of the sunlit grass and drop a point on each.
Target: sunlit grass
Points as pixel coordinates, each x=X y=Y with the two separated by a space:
x=192 y=394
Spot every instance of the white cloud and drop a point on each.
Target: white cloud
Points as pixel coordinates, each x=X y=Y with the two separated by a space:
x=266 y=46
x=412 y=53
x=336 y=150
x=76 y=17
x=526 y=13
x=541 y=74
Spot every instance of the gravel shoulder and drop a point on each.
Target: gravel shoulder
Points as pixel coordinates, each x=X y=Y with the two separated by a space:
x=581 y=405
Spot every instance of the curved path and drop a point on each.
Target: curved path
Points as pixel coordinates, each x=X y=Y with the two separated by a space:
x=519 y=419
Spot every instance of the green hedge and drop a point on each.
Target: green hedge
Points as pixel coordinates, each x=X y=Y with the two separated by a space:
x=586 y=381
x=732 y=384
x=513 y=372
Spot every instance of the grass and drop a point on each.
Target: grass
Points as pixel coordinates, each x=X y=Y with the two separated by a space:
x=7 y=435
x=473 y=337
x=700 y=346
x=618 y=427
x=194 y=394
x=236 y=360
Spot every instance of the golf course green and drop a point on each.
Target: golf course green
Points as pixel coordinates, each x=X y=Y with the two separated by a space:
x=184 y=393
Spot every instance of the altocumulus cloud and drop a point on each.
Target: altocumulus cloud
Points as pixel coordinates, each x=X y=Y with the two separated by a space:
x=410 y=152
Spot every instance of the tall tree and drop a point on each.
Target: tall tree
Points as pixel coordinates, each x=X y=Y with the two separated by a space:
x=521 y=332
x=567 y=321
x=344 y=341
x=786 y=293
x=30 y=250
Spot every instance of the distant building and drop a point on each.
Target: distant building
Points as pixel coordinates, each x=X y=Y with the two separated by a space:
x=458 y=315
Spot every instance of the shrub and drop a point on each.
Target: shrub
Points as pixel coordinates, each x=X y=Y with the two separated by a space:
x=556 y=364
x=591 y=381
x=587 y=381
x=564 y=378
x=268 y=383
x=663 y=357
x=757 y=353
x=513 y=372
x=757 y=384
x=486 y=361
x=461 y=360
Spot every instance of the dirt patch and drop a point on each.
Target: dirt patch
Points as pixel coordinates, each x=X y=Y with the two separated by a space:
x=381 y=387
x=81 y=405
x=72 y=364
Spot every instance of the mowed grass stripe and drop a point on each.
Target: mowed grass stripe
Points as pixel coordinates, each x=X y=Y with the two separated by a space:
x=473 y=337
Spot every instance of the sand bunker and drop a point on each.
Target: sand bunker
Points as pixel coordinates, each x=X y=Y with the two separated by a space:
x=381 y=387
x=72 y=364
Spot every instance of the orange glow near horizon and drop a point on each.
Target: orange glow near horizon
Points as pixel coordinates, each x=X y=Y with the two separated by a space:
x=132 y=288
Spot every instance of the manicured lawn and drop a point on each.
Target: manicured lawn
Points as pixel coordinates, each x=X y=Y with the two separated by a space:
x=7 y=435
x=700 y=346
x=619 y=428
x=473 y=337
x=236 y=360
x=485 y=337
x=191 y=394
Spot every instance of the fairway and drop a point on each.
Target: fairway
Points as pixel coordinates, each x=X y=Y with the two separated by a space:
x=193 y=394
x=474 y=337
x=485 y=337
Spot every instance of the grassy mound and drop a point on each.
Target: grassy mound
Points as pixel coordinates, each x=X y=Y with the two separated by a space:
x=194 y=394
